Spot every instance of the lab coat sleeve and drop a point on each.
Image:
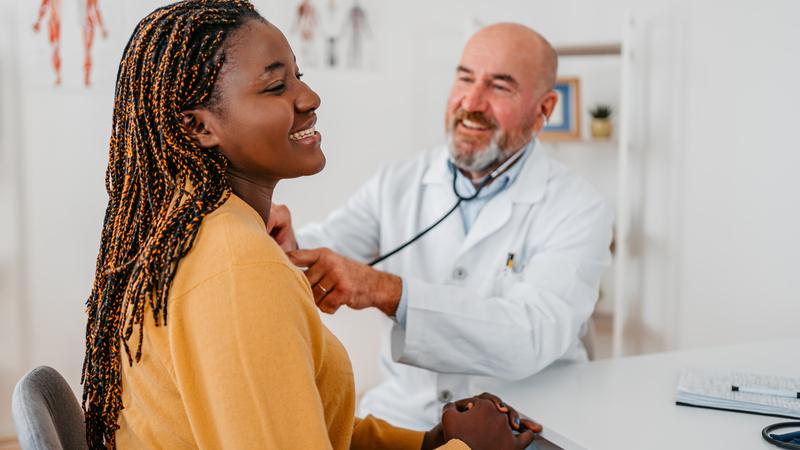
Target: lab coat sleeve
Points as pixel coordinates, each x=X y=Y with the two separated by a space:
x=353 y=230
x=531 y=319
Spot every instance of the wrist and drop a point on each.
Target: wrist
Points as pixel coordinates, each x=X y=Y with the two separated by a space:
x=433 y=438
x=391 y=292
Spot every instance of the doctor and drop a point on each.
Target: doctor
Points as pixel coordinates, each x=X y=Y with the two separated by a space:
x=504 y=286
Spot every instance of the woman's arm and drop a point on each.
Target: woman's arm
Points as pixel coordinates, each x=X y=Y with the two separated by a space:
x=246 y=346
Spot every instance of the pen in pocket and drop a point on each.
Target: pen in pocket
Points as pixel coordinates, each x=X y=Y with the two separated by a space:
x=510 y=262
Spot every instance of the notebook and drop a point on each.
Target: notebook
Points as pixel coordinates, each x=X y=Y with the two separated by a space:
x=713 y=389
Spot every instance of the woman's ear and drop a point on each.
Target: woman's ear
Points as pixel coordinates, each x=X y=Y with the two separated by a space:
x=201 y=127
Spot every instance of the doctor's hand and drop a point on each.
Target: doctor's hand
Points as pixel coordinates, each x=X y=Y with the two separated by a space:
x=480 y=426
x=279 y=226
x=336 y=280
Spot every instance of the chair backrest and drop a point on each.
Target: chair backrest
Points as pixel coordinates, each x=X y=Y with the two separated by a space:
x=46 y=413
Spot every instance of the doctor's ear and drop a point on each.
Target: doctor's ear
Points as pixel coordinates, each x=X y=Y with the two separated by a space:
x=201 y=126
x=546 y=108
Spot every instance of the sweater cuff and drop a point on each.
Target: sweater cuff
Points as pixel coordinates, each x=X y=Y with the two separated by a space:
x=372 y=433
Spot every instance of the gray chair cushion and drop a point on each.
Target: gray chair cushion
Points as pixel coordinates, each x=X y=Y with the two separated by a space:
x=46 y=413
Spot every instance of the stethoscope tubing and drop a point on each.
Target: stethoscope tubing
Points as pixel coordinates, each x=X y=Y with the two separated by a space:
x=486 y=181
x=765 y=433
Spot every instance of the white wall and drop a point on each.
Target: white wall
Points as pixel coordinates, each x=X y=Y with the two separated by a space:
x=11 y=309
x=714 y=145
x=741 y=215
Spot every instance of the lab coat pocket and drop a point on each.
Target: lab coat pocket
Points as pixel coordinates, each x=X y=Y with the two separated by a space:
x=504 y=281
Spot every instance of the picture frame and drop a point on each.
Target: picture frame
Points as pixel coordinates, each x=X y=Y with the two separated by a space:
x=565 y=120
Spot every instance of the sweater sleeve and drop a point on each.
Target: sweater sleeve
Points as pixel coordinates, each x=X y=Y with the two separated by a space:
x=373 y=433
x=246 y=346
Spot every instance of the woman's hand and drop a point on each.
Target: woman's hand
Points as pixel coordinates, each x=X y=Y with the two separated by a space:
x=515 y=421
x=482 y=422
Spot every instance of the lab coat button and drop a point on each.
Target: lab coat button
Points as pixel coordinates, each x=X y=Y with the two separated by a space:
x=445 y=396
x=459 y=273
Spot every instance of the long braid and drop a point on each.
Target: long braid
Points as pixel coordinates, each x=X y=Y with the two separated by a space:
x=160 y=185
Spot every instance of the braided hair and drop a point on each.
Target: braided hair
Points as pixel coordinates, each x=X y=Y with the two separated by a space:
x=160 y=185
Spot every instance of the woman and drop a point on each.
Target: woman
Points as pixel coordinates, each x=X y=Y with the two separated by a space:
x=209 y=114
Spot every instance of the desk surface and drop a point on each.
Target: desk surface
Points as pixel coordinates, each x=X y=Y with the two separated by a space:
x=629 y=402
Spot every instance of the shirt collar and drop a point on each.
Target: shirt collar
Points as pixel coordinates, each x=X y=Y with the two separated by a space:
x=467 y=188
x=531 y=173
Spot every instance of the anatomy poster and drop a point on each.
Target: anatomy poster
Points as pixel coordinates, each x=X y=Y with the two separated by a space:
x=60 y=22
x=333 y=34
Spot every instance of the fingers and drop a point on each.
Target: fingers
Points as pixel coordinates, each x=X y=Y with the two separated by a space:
x=513 y=415
x=528 y=424
x=524 y=439
x=515 y=420
x=323 y=288
x=465 y=404
x=304 y=258
x=285 y=239
x=279 y=226
x=502 y=407
x=447 y=412
x=316 y=272
x=279 y=217
x=330 y=304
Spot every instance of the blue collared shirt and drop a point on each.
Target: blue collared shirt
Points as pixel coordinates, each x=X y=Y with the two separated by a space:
x=470 y=210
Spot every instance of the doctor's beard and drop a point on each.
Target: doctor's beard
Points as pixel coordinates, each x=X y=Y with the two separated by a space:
x=478 y=160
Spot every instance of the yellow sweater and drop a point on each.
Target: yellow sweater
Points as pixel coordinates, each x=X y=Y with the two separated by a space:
x=244 y=362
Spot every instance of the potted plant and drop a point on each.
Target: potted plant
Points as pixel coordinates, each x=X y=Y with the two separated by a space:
x=601 y=121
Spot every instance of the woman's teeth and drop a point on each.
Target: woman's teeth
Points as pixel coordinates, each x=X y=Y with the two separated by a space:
x=302 y=134
x=473 y=125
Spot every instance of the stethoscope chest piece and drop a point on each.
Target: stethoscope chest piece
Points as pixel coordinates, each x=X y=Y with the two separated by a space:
x=786 y=440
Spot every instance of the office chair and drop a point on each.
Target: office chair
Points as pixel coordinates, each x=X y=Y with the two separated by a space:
x=46 y=413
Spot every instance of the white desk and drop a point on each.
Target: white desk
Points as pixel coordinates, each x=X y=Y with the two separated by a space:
x=629 y=403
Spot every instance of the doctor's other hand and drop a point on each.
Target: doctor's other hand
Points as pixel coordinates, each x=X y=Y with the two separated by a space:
x=481 y=426
x=279 y=226
x=337 y=280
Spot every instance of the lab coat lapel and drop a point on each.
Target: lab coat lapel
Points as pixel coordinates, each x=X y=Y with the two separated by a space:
x=492 y=217
x=438 y=198
x=526 y=190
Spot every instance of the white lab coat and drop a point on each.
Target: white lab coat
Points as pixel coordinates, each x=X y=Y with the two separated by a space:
x=472 y=324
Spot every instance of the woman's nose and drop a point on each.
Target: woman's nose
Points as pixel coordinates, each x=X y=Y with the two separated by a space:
x=308 y=100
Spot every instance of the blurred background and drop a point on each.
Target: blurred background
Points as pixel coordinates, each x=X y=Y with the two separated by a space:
x=701 y=165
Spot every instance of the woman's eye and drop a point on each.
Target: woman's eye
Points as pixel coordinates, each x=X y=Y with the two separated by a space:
x=273 y=88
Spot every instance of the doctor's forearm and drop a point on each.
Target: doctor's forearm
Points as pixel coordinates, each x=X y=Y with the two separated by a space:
x=450 y=329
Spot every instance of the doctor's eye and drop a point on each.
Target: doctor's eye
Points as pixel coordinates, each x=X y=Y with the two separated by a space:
x=500 y=87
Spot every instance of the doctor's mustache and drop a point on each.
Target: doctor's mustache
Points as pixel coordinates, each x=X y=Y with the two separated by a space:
x=472 y=116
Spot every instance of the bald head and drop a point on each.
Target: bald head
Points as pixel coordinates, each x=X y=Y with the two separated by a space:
x=521 y=49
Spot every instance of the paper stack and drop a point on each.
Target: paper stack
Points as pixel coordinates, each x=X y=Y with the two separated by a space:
x=714 y=389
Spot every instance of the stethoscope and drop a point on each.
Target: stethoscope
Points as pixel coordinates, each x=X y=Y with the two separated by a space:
x=461 y=198
x=788 y=440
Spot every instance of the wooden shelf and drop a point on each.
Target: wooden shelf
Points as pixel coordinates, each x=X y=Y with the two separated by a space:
x=612 y=49
x=612 y=142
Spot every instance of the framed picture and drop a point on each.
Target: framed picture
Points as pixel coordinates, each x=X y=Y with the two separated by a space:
x=565 y=121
